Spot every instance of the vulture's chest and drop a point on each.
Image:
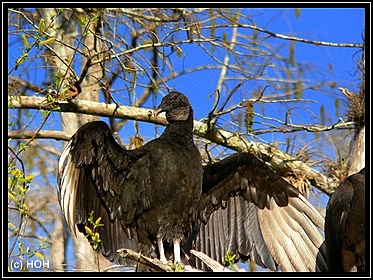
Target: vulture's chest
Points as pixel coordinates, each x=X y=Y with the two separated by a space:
x=174 y=187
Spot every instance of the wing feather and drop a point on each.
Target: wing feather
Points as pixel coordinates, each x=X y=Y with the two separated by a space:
x=273 y=223
x=239 y=232
x=288 y=234
x=66 y=190
x=91 y=177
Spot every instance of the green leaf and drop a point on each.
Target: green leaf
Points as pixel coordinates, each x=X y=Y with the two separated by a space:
x=22 y=147
x=39 y=255
x=12 y=197
x=98 y=221
x=83 y=21
x=41 y=27
x=44 y=113
x=29 y=178
x=96 y=237
x=25 y=42
x=90 y=218
x=21 y=60
x=228 y=259
x=46 y=42
x=88 y=230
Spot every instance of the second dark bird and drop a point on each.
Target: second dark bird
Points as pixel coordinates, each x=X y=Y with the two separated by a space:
x=345 y=225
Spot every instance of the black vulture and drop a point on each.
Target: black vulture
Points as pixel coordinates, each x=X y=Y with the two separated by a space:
x=345 y=225
x=160 y=199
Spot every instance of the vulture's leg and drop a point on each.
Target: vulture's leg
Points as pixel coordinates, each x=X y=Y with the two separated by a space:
x=177 y=257
x=162 y=256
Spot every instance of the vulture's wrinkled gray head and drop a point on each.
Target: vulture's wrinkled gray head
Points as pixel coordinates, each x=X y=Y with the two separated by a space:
x=176 y=106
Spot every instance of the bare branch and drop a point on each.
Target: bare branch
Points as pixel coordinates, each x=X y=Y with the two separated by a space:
x=212 y=264
x=285 y=37
x=137 y=257
x=152 y=45
x=244 y=103
x=132 y=13
x=87 y=107
x=292 y=38
x=340 y=124
x=27 y=134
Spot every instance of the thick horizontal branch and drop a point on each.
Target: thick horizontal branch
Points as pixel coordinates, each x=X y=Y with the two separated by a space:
x=49 y=134
x=86 y=107
x=277 y=159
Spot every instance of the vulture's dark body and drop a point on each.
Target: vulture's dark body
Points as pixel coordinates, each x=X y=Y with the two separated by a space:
x=345 y=225
x=167 y=213
x=159 y=194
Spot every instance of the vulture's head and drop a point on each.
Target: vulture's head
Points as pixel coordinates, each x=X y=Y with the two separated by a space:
x=176 y=106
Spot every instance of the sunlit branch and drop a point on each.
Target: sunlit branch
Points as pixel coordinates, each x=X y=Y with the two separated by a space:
x=42 y=134
x=340 y=124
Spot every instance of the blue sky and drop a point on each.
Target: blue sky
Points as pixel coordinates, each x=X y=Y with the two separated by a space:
x=330 y=25
x=337 y=25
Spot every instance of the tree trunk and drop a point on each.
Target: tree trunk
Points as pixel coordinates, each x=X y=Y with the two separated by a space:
x=357 y=152
x=86 y=257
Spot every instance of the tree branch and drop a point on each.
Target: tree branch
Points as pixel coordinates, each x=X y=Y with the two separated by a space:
x=292 y=38
x=27 y=134
x=340 y=124
x=278 y=160
x=212 y=264
x=155 y=264
x=285 y=37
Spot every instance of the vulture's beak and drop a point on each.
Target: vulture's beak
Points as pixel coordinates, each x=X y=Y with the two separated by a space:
x=157 y=111
x=161 y=108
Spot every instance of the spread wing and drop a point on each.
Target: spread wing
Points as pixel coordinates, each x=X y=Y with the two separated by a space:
x=248 y=209
x=96 y=174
